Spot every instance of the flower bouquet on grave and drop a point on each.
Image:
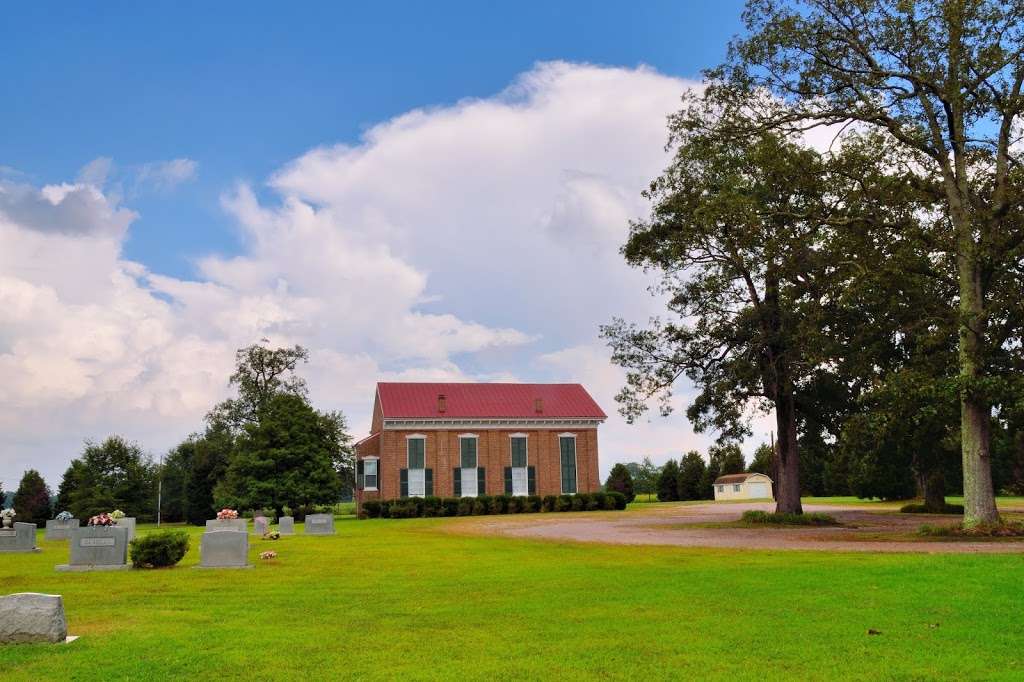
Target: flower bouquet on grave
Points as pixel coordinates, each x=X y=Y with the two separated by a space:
x=64 y=516
x=117 y=515
x=101 y=520
x=271 y=535
x=8 y=516
x=227 y=514
x=269 y=554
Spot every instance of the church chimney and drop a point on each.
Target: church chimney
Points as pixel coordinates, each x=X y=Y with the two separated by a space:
x=538 y=405
x=442 y=403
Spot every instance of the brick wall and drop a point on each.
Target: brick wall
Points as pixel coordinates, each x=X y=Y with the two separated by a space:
x=493 y=452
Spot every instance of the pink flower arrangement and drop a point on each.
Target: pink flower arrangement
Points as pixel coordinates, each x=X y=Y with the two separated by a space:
x=226 y=513
x=101 y=520
x=269 y=554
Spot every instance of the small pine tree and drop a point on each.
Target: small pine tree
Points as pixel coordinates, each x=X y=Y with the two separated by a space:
x=32 y=501
x=621 y=481
x=691 y=475
x=668 y=486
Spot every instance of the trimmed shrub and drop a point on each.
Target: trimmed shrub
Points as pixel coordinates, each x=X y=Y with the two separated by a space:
x=159 y=549
x=450 y=506
x=579 y=502
x=515 y=505
x=404 y=509
x=371 y=508
x=618 y=500
x=432 y=507
x=385 y=508
x=532 y=504
x=500 y=504
x=466 y=506
x=921 y=509
x=599 y=500
x=564 y=503
x=549 y=503
x=482 y=505
x=780 y=519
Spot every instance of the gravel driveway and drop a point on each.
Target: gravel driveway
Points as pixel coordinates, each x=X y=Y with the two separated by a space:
x=864 y=530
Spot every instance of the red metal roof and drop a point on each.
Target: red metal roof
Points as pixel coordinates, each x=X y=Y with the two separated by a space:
x=486 y=401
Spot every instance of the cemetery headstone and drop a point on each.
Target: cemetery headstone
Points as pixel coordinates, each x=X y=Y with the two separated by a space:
x=227 y=524
x=319 y=524
x=31 y=618
x=128 y=523
x=60 y=529
x=21 y=538
x=224 y=549
x=97 y=548
x=286 y=525
x=260 y=525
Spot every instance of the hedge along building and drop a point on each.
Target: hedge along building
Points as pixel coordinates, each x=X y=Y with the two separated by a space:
x=463 y=440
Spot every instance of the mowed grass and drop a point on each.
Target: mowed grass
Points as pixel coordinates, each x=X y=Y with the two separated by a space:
x=387 y=599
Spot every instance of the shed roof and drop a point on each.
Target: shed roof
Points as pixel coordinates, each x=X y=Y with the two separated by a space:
x=407 y=400
x=737 y=478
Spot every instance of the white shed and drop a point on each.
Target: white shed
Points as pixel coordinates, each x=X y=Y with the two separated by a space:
x=743 y=487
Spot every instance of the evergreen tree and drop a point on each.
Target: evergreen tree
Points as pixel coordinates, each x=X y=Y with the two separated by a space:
x=174 y=476
x=210 y=456
x=668 y=482
x=711 y=473
x=762 y=462
x=620 y=481
x=284 y=459
x=691 y=476
x=114 y=474
x=32 y=500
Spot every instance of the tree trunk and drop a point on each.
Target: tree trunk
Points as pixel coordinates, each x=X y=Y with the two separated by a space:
x=933 y=484
x=975 y=410
x=787 y=499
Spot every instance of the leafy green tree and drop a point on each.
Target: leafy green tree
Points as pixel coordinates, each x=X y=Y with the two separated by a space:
x=668 y=482
x=762 y=461
x=620 y=480
x=174 y=475
x=32 y=500
x=284 y=459
x=691 y=476
x=209 y=459
x=729 y=457
x=739 y=232
x=114 y=474
x=711 y=474
x=260 y=374
x=645 y=482
x=941 y=81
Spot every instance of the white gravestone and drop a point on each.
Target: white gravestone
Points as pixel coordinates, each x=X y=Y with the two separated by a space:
x=319 y=524
x=260 y=525
x=97 y=548
x=227 y=524
x=286 y=525
x=57 y=529
x=128 y=523
x=21 y=538
x=31 y=618
x=224 y=549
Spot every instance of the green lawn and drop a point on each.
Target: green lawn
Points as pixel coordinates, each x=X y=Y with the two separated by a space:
x=390 y=599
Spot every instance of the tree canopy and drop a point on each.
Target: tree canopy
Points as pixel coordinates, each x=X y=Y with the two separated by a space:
x=32 y=499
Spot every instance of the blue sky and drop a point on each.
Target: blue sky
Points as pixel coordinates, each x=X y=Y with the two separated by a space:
x=412 y=190
x=243 y=87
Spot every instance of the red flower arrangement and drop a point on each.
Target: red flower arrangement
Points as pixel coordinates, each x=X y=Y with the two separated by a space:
x=225 y=513
x=101 y=520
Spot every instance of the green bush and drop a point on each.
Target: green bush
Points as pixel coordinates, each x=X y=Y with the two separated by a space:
x=619 y=500
x=159 y=549
x=499 y=504
x=999 y=530
x=450 y=506
x=921 y=509
x=432 y=507
x=782 y=519
x=410 y=507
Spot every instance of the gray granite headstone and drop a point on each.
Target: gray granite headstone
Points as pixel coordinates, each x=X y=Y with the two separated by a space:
x=21 y=538
x=30 y=618
x=57 y=529
x=224 y=549
x=260 y=525
x=227 y=524
x=97 y=548
x=128 y=523
x=319 y=524
x=286 y=525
